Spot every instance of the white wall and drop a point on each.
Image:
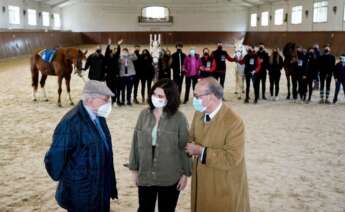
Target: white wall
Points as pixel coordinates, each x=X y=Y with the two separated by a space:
x=335 y=21
x=24 y=5
x=96 y=17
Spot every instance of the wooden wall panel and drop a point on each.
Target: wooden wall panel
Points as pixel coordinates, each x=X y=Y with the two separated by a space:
x=306 y=39
x=20 y=43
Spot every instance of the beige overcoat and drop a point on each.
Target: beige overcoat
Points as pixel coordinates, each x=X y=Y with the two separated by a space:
x=221 y=184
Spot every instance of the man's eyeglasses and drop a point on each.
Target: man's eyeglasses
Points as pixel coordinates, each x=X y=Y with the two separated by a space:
x=201 y=95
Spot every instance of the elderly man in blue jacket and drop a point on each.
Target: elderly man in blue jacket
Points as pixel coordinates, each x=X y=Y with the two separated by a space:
x=81 y=156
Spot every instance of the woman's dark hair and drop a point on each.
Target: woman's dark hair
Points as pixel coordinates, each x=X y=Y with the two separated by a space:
x=171 y=92
x=147 y=51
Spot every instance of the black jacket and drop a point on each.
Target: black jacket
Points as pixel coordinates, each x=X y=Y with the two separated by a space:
x=263 y=55
x=327 y=64
x=276 y=65
x=96 y=63
x=112 y=64
x=176 y=64
x=220 y=56
x=146 y=67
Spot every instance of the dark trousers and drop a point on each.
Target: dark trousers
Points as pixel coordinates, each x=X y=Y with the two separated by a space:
x=249 y=78
x=113 y=85
x=307 y=86
x=274 y=83
x=137 y=79
x=126 y=87
x=256 y=82
x=178 y=79
x=220 y=75
x=145 y=82
x=190 y=80
x=167 y=198
x=296 y=86
x=288 y=80
x=337 y=89
x=325 y=79
x=263 y=77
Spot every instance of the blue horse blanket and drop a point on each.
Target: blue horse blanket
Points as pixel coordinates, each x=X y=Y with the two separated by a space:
x=47 y=55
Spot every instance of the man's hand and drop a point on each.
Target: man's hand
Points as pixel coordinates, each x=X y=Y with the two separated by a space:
x=120 y=42
x=253 y=73
x=193 y=149
x=182 y=183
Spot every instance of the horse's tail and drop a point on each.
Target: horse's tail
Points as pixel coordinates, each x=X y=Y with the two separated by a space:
x=34 y=71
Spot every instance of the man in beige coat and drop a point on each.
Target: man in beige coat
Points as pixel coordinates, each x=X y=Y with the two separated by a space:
x=219 y=180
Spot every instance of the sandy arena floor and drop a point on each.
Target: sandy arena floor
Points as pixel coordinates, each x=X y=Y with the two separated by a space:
x=295 y=152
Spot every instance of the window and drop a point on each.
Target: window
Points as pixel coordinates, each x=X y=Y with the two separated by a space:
x=45 y=19
x=296 y=16
x=155 y=12
x=320 y=11
x=32 y=17
x=253 y=19
x=264 y=18
x=279 y=17
x=14 y=15
x=57 y=21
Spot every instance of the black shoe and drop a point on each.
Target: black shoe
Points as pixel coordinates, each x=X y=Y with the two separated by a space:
x=119 y=104
x=255 y=101
x=129 y=103
x=334 y=101
x=264 y=98
x=136 y=101
x=327 y=102
x=288 y=97
x=185 y=101
x=321 y=101
x=246 y=101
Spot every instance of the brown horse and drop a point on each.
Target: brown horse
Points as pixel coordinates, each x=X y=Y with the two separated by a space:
x=61 y=66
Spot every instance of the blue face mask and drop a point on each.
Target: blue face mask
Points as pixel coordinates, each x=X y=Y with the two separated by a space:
x=192 y=52
x=197 y=104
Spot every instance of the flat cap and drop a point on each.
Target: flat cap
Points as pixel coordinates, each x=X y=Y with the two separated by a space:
x=97 y=87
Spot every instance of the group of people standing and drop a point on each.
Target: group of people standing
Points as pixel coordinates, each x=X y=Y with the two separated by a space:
x=306 y=69
x=164 y=153
x=122 y=72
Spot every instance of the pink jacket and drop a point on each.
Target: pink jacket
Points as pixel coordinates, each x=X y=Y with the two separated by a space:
x=192 y=65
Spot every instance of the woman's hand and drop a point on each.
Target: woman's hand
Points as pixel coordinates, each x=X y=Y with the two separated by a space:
x=182 y=183
x=135 y=178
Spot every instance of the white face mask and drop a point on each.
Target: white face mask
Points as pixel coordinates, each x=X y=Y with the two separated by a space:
x=104 y=110
x=157 y=102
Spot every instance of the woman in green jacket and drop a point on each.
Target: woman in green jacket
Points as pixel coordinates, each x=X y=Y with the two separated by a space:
x=157 y=159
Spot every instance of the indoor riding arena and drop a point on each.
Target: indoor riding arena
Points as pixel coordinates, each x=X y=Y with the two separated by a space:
x=294 y=147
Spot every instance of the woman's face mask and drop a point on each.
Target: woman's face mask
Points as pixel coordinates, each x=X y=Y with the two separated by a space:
x=192 y=52
x=158 y=102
